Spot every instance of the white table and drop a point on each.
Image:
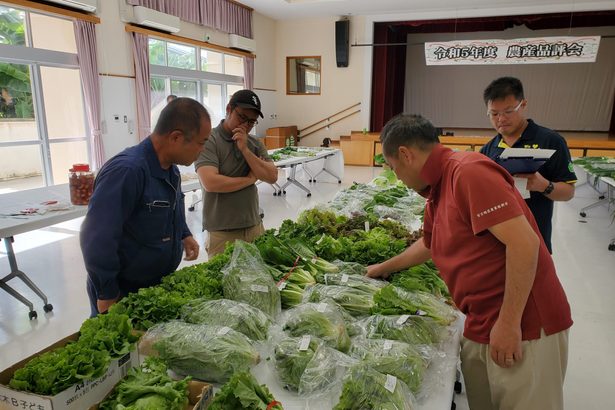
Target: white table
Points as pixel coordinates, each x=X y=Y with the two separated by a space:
x=323 y=160
x=13 y=203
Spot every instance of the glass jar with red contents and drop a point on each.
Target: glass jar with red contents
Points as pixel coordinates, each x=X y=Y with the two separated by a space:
x=81 y=183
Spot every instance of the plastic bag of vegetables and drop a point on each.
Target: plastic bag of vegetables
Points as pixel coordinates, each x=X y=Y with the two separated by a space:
x=238 y=316
x=412 y=329
x=247 y=279
x=210 y=353
x=355 y=281
x=292 y=355
x=355 y=301
x=323 y=320
x=366 y=388
x=404 y=361
x=350 y=268
x=306 y=365
x=392 y=300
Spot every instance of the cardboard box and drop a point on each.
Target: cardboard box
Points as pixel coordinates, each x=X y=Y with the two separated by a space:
x=200 y=395
x=282 y=131
x=78 y=397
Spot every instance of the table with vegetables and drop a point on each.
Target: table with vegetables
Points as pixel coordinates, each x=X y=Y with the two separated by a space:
x=290 y=321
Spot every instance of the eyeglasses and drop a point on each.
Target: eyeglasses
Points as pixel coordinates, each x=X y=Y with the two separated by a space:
x=507 y=113
x=245 y=119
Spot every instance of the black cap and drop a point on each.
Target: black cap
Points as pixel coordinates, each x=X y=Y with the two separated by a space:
x=247 y=99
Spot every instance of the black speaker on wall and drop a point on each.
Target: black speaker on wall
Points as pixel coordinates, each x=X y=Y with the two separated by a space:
x=342 y=44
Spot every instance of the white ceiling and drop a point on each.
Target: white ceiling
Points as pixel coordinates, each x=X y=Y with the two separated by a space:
x=300 y=9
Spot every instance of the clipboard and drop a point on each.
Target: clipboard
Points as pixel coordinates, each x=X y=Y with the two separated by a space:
x=523 y=160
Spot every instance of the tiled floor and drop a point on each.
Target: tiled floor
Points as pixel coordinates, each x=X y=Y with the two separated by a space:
x=51 y=257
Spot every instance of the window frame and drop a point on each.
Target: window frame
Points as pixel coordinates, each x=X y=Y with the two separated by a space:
x=36 y=58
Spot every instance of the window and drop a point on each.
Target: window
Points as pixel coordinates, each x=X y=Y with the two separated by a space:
x=43 y=129
x=174 y=70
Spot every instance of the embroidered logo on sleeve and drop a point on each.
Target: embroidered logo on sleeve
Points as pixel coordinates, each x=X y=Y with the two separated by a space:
x=492 y=209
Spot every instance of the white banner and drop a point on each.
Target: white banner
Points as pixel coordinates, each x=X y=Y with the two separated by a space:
x=537 y=50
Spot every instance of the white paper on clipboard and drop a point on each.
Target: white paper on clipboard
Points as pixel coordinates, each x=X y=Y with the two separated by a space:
x=536 y=153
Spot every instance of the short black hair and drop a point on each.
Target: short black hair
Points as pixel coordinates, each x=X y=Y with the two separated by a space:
x=184 y=114
x=502 y=88
x=407 y=130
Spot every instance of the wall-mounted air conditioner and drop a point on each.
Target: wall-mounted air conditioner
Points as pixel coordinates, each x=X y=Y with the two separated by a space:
x=242 y=43
x=87 y=5
x=155 y=19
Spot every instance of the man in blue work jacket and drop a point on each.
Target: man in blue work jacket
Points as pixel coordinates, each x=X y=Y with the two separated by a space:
x=135 y=229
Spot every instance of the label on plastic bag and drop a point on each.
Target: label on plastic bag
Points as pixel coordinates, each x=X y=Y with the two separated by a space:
x=388 y=344
x=391 y=383
x=366 y=226
x=304 y=343
x=282 y=285
x=259 y=288
x=402 y=319
x=322 y=307
x=344 y=278
x=224 y=330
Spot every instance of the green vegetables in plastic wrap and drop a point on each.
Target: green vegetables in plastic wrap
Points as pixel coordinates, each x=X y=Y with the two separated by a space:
x=404 y=361
x=210 y=353
x=323 y=320
x=412 y=329
x=422 y=277
x=238 y=316
x=242 y=392
x=247 y=279
x=291 y=359
x=148 y=388
x=355 y=301
x=392 y=300
x=365 y=388
x=363 y=283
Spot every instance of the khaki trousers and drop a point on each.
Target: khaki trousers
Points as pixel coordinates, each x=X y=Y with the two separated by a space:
x=534 y=383
x=217 y=240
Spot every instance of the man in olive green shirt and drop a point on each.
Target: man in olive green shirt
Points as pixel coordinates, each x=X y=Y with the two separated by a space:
x=228 y=168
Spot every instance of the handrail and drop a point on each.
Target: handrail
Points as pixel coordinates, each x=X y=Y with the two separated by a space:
x=325 y=119
x=331 y=123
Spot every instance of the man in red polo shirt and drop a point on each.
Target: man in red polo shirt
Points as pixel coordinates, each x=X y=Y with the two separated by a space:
x=486 y=244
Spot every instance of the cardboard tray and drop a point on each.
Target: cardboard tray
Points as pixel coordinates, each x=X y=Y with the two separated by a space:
x=77 y=397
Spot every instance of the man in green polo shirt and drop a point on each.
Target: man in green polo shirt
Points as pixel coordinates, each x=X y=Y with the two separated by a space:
x=228 y=169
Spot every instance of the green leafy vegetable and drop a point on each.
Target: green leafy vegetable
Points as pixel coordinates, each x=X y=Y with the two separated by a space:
x=414 y=330
x=211 y=353
x=355 y=301
x=366 y=388
x=423 y=277
x=291 y=361
x=242 y=391
x=247 y=279
x=148 y=387
x=323 y=320
x=238 y=316
x=392 y=300
x=406 y=362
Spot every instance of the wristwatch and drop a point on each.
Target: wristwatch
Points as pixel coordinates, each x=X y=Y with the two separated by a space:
x=549 y=188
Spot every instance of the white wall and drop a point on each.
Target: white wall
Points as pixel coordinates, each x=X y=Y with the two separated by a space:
x=340 y=87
